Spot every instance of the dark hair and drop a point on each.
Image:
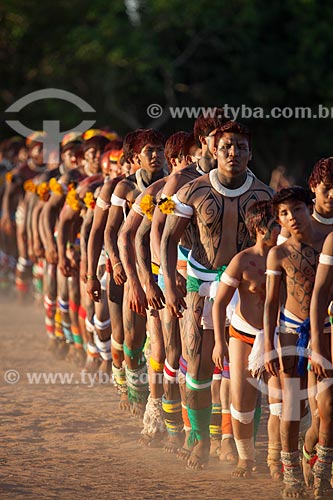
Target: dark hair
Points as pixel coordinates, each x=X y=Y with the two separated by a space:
x=258 y=216
x=190 y=142
x=295 y=193
x=236 y=128
x=175 y=146
x=72 y=145
x=148 y=136
x=97 y=142
x=203 y=125
x=114 y=145
x=128 y=144
x=322 y=172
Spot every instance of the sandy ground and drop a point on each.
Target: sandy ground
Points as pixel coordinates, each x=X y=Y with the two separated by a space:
x=71 y=441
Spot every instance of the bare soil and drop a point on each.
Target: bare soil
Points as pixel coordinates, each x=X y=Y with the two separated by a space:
x=70 y=441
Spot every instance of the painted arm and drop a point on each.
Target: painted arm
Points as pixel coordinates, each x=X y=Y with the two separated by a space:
x=318 y=307
x=271 y=309
x=84 y=236
x=37 y=244
x=68 y=218
x=96 y=239
x=49 y=216
x=115 y=220
x=173 y=231
x=136 y=296
x=154 y=294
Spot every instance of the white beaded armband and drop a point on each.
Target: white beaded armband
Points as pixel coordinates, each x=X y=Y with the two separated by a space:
x=326 y=259
x=102 y=204
x=137 y=209
x=181 y=209
x=118 y=202
x=273 y=272
x=229 y=280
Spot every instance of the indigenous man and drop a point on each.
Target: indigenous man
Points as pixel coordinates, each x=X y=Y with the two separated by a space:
x=321 y=184
x=148 y=146
x=215 y=207
x=115 y=292
x=321 y=365
x=174 y=406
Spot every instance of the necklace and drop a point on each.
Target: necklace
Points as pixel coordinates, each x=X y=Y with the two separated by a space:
x=230 y=193
x=321 y=219
x=198 y=169
x=139 y=180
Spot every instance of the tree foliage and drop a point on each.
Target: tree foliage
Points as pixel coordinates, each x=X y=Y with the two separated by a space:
x=121 y=56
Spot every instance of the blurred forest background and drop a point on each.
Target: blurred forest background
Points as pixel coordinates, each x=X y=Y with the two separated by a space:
x=122 y=55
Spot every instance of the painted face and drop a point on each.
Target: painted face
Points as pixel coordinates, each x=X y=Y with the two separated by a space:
x=294 y=216
x=210 y=140
x=69 y=159
x=91 y=157
x=36 y=154
x=114 y=169
x=152 y=157
x=324 y=199
x=232 y=154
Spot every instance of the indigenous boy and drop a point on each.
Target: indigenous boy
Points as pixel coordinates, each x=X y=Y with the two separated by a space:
x=246 y=272
x=292 y=263
x=215 y=205
x=321 y=365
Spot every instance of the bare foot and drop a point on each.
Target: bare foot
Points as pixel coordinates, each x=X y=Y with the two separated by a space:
x=322 y=489
x=243 y=469
x=199 y=457
x=294 y=491
x=92 y=364
x=185 y=451
x=151 y=441
x=53 y=345
x=173 y=443
x=62 y=349
x=105 y=366
x=80 y=357
x=71 y=354
x=215 y=447
x=124 y=404
x=138 y=409
x=275 y=470
x=228 y=451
